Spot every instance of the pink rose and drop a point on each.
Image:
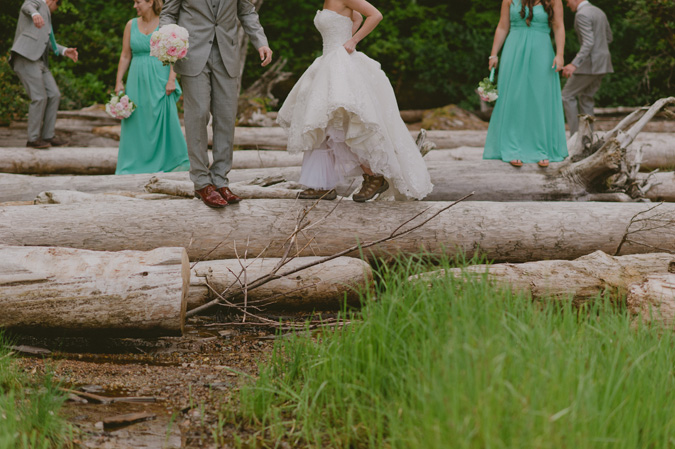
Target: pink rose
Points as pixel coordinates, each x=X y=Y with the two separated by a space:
x=182 y=53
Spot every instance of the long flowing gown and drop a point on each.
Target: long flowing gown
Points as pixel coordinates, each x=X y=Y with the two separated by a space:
x=151 y=139
x=343 y=113
x=527 y=122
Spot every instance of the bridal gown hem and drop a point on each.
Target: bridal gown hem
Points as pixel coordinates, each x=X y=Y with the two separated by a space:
x=342 y=113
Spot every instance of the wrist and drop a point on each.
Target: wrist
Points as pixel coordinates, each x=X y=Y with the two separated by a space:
x=493 y=57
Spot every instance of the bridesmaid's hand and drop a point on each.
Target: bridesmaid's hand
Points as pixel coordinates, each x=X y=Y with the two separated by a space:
x=350 y=46
x=558 y=63
x=170 y=86
x=119 y=87
x=493 y=61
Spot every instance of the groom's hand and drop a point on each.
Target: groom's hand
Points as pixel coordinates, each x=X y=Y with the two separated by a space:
x=38 y=20
x=71 y=53
x=568 y=70
x=265 y=55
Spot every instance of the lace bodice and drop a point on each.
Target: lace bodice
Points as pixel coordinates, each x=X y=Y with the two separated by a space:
x=335 y=29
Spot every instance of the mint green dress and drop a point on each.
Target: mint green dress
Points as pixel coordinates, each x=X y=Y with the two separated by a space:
x=151 y=139
x=527 y=122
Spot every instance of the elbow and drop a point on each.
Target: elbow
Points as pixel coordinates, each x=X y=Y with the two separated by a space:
x=377 y=17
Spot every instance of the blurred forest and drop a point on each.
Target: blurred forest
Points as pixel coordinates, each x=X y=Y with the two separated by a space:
x=433 y=51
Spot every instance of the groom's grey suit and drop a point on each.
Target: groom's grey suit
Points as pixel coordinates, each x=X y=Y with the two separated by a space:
x=30 y=61
x=593 y=62
x=209 y=75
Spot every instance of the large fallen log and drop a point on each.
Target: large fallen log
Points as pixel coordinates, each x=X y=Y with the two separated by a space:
x=103 y=160
x=74 y=291
x=26 y=187
x=275 y=138
x=581 y=279
x=322 y=287
x=658 y=152
x=654 y=299
x=509 y=232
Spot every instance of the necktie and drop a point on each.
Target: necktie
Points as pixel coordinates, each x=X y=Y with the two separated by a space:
x=52 y=40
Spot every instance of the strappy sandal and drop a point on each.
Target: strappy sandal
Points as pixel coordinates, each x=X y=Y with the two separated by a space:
x=516 y=163
x=315 y=194
x=372 y=185
x=543 y=163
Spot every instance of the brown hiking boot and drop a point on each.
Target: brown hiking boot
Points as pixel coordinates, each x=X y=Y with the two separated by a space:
x=314 y=194
x=371 y=187
x=39 y=144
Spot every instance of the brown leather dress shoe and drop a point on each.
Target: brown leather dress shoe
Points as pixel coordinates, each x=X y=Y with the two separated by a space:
x=39 y=144
x=210 y=197
x=56 y=142
x=228 y=196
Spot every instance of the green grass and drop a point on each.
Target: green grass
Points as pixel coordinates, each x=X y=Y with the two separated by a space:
x=464 y=364
x=29 y=411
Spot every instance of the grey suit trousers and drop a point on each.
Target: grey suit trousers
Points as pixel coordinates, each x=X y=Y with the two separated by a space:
x=44 y=96
x=211 y=91
x=584 y=88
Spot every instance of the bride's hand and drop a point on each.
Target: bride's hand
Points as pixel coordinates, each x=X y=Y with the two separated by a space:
x=350 y=46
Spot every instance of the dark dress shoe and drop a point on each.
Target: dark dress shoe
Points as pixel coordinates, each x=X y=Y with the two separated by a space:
x=210 y=197
x=227 y=194
x=56 y=142
x=39 y=144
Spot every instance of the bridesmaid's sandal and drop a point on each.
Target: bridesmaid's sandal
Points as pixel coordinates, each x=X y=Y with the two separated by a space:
x=516 y=163
x=372 y=186
x=543 y=163
x=315 y=194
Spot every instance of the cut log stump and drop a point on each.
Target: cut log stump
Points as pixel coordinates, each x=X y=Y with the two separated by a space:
x=654 y=300
x=65 y=291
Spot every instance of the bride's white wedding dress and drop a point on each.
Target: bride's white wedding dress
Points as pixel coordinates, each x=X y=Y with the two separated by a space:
x=343 y=113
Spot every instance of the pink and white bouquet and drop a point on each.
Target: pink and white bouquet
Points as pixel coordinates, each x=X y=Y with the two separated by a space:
x=169 y=43
x=119 y=106
x=487 y=90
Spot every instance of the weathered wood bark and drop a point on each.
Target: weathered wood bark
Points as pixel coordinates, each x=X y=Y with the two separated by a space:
x=103 y=160
x=73 y=197
x=658 y=152
x=26 y=187
x=654 y=299
x=242 y=189
x=324 y=286
x=508 y=232
x=79 y=292
x=62 y=160
x=275 y=138
x=582 y=278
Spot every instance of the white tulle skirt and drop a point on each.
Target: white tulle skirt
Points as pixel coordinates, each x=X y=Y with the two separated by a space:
x=343 y=113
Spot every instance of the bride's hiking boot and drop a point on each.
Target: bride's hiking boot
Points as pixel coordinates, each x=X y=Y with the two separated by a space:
x=314 y=194
x=210 y=196
x=372 y=186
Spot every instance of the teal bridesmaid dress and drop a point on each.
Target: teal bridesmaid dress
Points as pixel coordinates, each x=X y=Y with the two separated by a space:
x=151 y=139
x=527 y=122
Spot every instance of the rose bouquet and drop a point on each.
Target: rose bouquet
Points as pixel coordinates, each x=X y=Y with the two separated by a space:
x=487 y=90
x=119 y=106
x=169 y=43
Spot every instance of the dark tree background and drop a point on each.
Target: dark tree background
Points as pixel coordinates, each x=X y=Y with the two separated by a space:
x=433 y=51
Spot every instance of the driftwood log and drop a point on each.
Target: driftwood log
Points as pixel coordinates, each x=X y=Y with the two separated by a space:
x=508 y=232
x=324 y=286
x=245 y=190
x=654 y=299
x=103 y=160
x=74 y=291
x=581 y=279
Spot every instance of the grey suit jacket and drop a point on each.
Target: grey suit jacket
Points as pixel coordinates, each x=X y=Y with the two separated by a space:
x=595 y=35
x=29 y=40
x=204 y=25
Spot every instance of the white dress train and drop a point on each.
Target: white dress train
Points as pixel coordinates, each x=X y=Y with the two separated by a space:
x=343 y=113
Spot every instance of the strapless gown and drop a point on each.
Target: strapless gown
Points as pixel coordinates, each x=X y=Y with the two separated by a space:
x=342 y=113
